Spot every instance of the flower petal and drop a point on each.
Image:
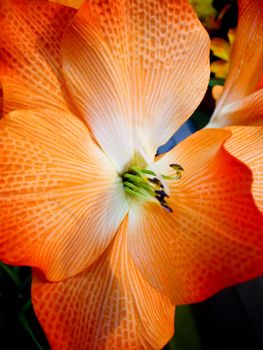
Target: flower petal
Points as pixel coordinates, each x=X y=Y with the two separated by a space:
x=72 y=3
x=60 y=198
x=246 y=67
x=30 y=51
x=246 y=111
x=246 y=144
x=109 y=306
x=1 y=101
x=136 y=70
x=213 y=238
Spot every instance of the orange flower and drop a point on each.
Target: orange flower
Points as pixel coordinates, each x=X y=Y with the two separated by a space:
x=241 y=102
x=85 y=201
x=246 y=144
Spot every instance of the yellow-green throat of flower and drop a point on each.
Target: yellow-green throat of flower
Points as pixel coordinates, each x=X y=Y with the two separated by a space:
x=145 y=184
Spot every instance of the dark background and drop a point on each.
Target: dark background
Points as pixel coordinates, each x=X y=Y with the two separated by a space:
x=230 y=320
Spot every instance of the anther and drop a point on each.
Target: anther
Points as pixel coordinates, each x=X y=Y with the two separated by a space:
x=176 y=166
x=161 y=194
x=166 y=207
x=144 y=183
x=156 y=181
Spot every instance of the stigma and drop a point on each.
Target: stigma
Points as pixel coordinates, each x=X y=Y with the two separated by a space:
x=147 y=185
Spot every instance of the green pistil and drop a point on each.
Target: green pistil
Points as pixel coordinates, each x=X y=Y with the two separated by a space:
x=144 y=183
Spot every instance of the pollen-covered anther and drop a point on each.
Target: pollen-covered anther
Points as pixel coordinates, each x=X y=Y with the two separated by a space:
x=178 y=168
x=178 y=172
x=156 y=181
x=144 y=183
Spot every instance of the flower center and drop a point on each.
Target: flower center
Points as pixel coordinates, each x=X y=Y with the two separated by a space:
x=145 y=184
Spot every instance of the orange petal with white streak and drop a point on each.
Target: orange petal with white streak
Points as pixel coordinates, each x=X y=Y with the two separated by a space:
x=246 y=144
x=30 y=51
x=61 y=201
x=213 y=238
x=246 y=111
x=246 y=68
x=136 y=70
x=109 y=306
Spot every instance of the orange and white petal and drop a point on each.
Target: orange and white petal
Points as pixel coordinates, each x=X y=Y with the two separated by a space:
x=72 y=3
x=246 y=111
x=108 y=306
x=30 y=50
x=61 y=201
x=136 y=70
x=213 y=238
x=246 y=62
x=246 y=144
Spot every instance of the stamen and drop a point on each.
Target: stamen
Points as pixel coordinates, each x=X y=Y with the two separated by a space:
x=167 y=208
x=161 y=193
x=145 y=184
x=156 y=181
x=176 y=166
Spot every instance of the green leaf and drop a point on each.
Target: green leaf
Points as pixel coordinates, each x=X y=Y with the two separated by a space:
x=12 y=272
x=186 y=334
x=27 y=327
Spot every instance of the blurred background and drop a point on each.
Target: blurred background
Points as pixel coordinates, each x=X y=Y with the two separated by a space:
x=230 y=320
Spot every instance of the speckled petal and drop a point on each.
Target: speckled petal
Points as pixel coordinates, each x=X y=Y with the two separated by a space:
x=213 y=238
x=61 y=201
x=109 y=306
x=30 y=51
